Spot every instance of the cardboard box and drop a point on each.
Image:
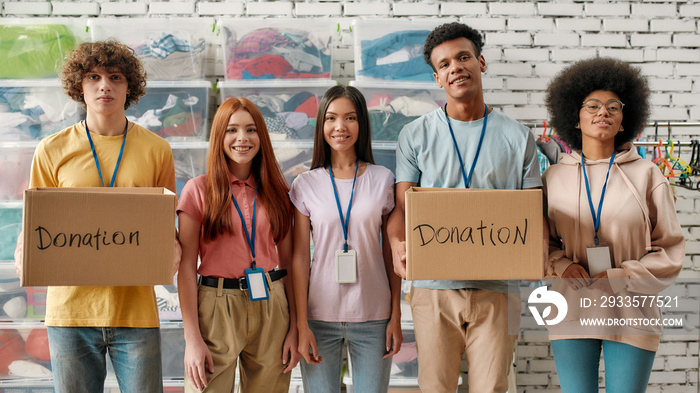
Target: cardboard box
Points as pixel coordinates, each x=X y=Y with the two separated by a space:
x=98 y=236
x=471 y=234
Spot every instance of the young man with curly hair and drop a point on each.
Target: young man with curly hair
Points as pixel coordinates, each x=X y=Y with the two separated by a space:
x=86 y=322
x=456 y=317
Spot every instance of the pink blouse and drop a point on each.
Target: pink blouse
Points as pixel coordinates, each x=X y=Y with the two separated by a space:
x=229 y=255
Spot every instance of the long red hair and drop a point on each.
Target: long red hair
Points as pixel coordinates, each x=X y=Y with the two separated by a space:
x=272 y=187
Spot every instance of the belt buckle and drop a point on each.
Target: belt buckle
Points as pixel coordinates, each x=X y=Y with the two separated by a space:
x=240 y=284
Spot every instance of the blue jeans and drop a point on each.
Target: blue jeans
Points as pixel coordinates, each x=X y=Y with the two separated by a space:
x=79 y=365
x=366 y=348
x=627 y=368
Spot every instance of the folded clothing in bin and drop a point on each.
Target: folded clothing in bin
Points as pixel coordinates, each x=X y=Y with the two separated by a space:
x=397 y=55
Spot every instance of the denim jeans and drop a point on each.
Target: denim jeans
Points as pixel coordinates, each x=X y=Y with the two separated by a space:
x=79 y=365
x=366 y=347
x=627 y=368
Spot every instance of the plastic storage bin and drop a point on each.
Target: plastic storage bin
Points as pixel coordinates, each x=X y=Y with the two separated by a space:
x=36 y=47
x=24 y=358
x=392 y=49
x=190 y=161
x=35 y=108
x=276 y=48
x=293 y=157
x=177 y=111
x=170 y=49
x=391 y=106
x=13 y=298
x=15 y=165
x=289 y=107
x=10 y=227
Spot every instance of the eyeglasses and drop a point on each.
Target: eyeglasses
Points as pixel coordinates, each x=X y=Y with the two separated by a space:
x=593 y=105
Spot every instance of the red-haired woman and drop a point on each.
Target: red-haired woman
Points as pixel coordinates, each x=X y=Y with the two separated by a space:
x=237 y=218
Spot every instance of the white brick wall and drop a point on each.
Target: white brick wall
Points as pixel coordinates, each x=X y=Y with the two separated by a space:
x=555 y=9
x=123 y=8
x=412 y=9
x=565 y=40
x=278 y=8
x=463 y=9
x=650 y=40
x=318 y=9
x=179 y=8
x=224 y=8
x=512 y=8
x=626 y=25
x=587 y=24
x=607 y=9
x=367 y=9
x=75 y=8
x=40 y=8
x=604 y=40
x=655 y=10
x=512 y=39
x=527 y=43
x=531 y=24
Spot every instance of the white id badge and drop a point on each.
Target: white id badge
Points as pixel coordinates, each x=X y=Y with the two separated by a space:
x=345 y=266
x=257 y=284
x=599 y=259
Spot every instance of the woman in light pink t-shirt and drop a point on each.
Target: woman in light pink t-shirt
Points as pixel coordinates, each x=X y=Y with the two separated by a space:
x=348 y=294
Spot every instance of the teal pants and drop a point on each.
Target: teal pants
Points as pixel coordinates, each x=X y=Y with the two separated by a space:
x=627 y=368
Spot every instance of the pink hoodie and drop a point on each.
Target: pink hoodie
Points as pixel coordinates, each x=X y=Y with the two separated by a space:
x=638 y=221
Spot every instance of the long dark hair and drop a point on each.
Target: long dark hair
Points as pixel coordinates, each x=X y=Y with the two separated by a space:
x=363 y=146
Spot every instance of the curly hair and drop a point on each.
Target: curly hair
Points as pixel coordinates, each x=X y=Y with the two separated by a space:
x=572 y=85
x=448 y=32
x=111 y=55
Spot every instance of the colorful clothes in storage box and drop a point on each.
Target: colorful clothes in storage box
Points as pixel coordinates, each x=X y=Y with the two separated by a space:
x=388 y=115
x=33 y=51
x=35 y=112
x=397 y=55
x=168 y=115
x=270 y=53
x=167 y=57
x=288 y=116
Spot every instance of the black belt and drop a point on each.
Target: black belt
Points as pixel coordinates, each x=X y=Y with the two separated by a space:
x=238 y=283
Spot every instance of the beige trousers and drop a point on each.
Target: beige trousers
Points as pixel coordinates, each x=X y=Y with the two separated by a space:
x=450 y=322
x=237 y=329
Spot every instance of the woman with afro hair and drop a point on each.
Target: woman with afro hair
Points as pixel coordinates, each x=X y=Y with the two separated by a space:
x=613 y=226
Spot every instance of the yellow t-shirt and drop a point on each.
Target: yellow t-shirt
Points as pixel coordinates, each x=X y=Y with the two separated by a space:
x=65 y=160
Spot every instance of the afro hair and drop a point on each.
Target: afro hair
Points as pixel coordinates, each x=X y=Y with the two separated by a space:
x=566 y=92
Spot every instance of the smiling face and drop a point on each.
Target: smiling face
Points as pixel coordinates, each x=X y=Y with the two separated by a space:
x=601 y=127
x=340 y=126
x=241 y=142
x=104 y=91
x=458 y=69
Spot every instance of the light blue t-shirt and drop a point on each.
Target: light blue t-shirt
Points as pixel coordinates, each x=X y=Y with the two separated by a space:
x=508 y=160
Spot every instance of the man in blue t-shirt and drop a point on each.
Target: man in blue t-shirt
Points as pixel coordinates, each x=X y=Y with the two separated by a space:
x=454 y=317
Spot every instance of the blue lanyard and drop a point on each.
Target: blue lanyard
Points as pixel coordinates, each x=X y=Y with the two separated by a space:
x=468 y=179
x=251 y=239
x=596 y=217
x=97 y=162
x=337 y=201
